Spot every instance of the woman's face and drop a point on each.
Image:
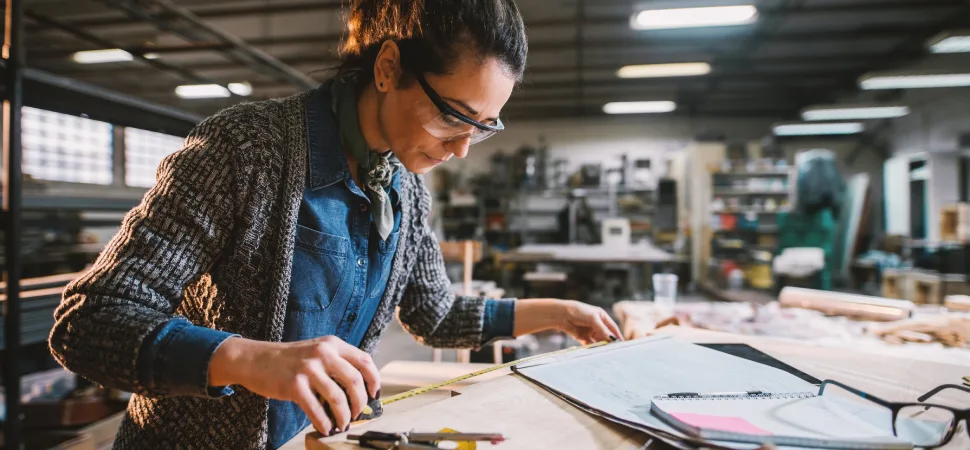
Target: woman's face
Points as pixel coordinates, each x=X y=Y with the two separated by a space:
x=478 y=89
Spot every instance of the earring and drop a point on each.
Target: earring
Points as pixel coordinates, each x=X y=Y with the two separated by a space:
x=382 y=85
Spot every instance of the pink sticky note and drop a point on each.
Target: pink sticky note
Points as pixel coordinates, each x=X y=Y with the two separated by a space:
x=720 y=423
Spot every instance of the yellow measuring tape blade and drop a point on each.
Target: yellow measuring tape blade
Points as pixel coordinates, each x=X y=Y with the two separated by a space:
x=431 y=387
x=461 y=445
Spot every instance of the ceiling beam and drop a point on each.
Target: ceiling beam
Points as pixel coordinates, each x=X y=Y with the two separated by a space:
x=184 y=74
x=592 y=45
x=324 y=61
x=169 y=17
x=541 y=90
x=545 y=113
x=225 y=11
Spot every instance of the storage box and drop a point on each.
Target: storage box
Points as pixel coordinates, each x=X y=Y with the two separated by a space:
x=894 y=284
x=955 y=222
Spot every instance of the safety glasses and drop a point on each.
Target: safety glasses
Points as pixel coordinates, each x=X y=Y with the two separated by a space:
x=446 y=123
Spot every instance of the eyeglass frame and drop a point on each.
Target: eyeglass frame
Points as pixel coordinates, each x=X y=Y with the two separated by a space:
x=445 y=108
x=896 y=407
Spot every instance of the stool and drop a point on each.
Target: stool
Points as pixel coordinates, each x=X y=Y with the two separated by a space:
x=468 y=253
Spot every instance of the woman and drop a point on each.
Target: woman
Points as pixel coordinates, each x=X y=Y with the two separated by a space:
x=246 y=290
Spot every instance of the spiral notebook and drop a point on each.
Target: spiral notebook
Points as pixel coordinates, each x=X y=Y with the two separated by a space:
x=799 y=419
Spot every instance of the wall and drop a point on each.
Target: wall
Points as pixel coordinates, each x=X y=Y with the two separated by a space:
x=604 y=139
x=933 y=128
x=937 y=120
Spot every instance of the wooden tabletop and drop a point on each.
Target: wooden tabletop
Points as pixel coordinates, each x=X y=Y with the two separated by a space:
x=531 y=417
x=635 y=253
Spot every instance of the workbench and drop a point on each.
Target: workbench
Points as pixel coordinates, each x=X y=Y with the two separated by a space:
x=643 y=254
x=638 y=318
x=597 y=253
x=532 y=418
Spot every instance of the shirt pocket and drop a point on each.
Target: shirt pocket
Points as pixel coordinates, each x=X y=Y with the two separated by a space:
x=319 y=269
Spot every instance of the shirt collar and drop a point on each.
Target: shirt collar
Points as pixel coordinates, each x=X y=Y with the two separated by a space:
x=327 y=161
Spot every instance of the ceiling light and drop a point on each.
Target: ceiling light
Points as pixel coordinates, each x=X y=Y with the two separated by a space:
x=102 y=56
x=244 y=89
x=202 y=91
x=664 y=70
x=818 y=129
x=951 y=43
x=639 y=107
x=854 y=112
x=914 y=81
x=659 y=19
x=213 y=90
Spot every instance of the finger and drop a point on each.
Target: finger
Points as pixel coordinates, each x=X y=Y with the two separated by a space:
x=599 y=331
x=611 y=325
x=364 y=364
x=348 y=377
x=307 y=401
x=334 y=397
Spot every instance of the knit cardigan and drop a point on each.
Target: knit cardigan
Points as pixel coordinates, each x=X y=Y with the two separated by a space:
x=212 y=242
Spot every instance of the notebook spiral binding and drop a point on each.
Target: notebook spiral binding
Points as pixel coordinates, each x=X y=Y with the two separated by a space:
x=787 y=395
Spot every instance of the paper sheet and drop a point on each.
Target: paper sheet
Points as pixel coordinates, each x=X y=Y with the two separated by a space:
x=619 y=381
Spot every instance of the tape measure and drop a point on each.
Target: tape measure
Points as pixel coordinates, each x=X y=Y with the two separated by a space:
x=376 y=406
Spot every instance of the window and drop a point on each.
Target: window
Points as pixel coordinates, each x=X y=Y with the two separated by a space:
x=61 y=147
x=144 y=150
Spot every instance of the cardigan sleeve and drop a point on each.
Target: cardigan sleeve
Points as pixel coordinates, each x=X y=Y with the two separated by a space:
x=130 y=294
x=430 y=311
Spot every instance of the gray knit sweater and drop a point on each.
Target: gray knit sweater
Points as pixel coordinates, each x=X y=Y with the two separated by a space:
x=212 y=241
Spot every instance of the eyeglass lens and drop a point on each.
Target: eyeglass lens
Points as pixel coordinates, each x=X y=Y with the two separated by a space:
x=446 y=128
x=920 y=425
x=924 y=426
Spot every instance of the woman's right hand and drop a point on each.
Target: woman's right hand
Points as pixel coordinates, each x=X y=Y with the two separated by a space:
x=301 y=372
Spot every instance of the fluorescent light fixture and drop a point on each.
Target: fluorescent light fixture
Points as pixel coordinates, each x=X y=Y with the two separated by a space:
x=244 y=89
x=213 y=90
x=914 y=80
x=102 y=56
x=150 y=56
x=639 y=107
x=202 y=91
x=664 y=70
x=661 y=19
x=818 y=129
x=854 y=112
x=951 y=43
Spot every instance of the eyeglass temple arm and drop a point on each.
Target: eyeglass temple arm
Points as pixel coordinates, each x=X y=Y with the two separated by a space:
x=938 y=389
x=872 y=398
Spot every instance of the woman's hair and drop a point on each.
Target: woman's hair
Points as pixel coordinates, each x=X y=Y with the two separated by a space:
x=433 y=34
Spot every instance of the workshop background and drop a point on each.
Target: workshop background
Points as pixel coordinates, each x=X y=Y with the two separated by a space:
x=672 y=168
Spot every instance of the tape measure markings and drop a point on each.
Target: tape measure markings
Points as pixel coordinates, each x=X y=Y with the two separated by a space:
x=424 y=389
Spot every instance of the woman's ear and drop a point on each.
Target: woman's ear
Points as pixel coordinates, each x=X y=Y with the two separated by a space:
x=387 y=67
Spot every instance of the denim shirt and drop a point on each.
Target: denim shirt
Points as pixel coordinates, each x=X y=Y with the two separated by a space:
x=340 y=270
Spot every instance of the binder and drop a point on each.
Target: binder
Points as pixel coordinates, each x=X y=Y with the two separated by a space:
x=798 y=419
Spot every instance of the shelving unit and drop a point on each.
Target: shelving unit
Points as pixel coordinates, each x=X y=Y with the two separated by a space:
x=534 y=212
x=31 y=208
x=743 y=192
x=744 y=206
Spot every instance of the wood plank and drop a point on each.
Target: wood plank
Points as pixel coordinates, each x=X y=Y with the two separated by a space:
x=526 y=414
x=533 y=418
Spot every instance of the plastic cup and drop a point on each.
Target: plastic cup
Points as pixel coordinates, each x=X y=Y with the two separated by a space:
x=665 y=291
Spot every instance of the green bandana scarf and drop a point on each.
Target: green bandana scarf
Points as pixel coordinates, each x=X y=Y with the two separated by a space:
x=374 y=170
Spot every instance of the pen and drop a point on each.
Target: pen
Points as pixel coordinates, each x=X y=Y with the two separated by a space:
x=714 y=394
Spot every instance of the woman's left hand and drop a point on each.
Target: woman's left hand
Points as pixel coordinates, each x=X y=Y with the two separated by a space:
x=585 y=323
x=588 y=324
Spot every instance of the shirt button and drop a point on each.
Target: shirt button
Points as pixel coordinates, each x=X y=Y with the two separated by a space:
x=352 y=317
x=361 y=262
x=363 y=208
